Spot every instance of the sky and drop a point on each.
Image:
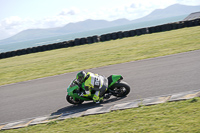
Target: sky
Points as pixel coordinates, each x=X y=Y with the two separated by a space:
x=19 y=15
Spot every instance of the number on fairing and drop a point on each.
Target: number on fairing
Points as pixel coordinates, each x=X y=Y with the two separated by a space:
x=97 y=82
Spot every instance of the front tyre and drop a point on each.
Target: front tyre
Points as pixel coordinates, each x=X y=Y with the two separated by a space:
x=72 y=101
x=120 y=89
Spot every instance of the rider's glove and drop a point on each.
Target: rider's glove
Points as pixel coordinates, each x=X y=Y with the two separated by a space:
x=81 y=95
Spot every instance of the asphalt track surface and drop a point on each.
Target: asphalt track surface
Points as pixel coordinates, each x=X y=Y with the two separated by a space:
x=147 y=78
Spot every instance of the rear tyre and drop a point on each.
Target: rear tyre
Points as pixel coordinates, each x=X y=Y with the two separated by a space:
x=121 y=89
x=72 y=101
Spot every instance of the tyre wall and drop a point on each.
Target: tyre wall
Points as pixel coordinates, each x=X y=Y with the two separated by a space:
x=102 y=38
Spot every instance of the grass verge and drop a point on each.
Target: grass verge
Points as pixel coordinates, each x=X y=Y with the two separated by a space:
x=173 y=117
x=43 y=64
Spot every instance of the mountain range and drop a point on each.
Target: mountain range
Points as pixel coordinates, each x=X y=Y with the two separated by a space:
x=87 y=25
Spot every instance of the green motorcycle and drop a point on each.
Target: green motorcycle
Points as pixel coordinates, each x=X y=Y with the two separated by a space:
x=116 y=87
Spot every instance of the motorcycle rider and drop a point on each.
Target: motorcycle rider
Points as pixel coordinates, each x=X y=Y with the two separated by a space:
x=95 y=82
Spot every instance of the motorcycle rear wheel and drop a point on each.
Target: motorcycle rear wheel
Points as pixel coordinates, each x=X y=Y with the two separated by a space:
x=72 y=101
x=121 y=89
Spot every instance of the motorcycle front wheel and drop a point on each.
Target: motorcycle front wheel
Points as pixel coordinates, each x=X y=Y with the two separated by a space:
x=120 y=89
x=72 y=101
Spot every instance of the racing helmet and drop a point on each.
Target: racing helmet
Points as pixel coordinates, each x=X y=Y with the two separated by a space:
x=81 y=76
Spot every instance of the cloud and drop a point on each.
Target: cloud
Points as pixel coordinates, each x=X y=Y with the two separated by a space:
x=133 y=6
x=11 y=22
x=188 y=2
x=131 y=10
x=15 y=24
x=12 y=25
x=71 y=11
x=3 y=33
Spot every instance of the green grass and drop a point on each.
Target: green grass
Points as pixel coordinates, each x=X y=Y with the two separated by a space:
x=43 y=64
x=170 y=117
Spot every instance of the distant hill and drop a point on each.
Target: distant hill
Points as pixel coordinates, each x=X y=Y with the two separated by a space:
x=171 y=11
x=31 y=34
x=81 y=26
x=90 y=25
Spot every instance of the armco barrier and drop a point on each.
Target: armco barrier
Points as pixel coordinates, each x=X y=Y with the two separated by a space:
x=102 y=38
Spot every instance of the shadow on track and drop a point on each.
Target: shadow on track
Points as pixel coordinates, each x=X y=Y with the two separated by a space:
x=83 y=107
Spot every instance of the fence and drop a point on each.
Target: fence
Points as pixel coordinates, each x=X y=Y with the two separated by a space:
x=102 y=38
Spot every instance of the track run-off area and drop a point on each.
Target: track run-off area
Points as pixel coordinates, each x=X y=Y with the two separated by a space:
x=147 y=78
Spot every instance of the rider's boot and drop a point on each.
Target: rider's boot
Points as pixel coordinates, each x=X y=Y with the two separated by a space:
x=97 y=99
